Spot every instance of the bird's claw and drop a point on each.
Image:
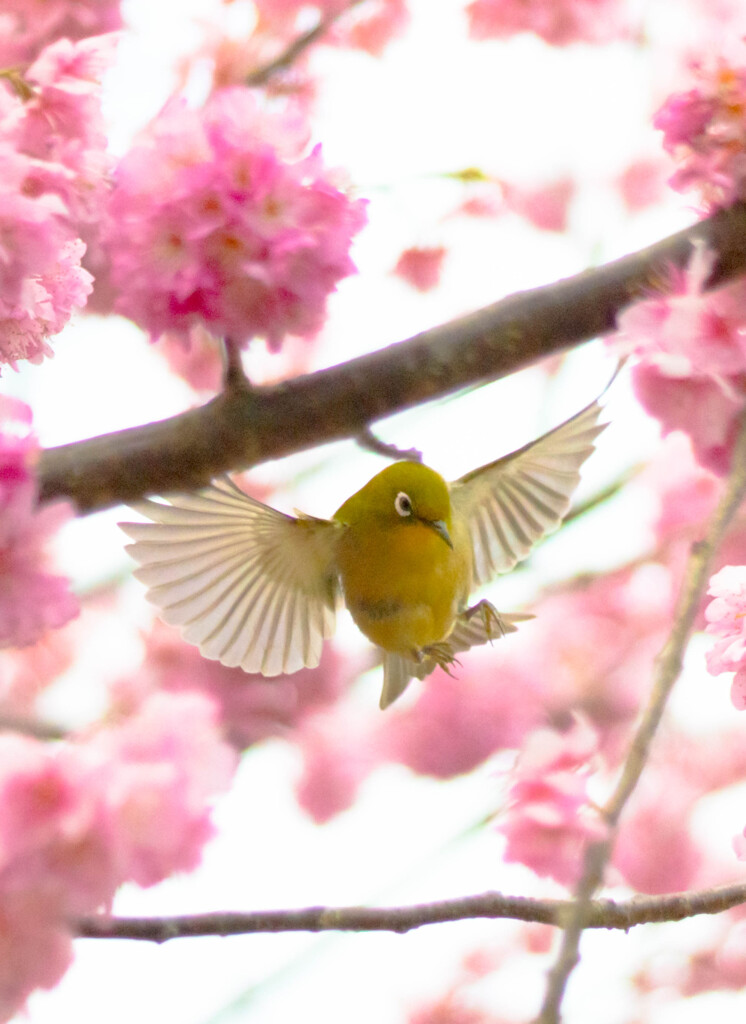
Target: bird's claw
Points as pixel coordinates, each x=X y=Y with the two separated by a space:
x=492 y=620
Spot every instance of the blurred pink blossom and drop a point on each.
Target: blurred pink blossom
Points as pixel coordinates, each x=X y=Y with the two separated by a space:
x=421 y=266
x=558 y=22
x=130 y=802
x=726 y=619
x=53 y=177
x=642 y=183
x=26 y=26
x=545 y=206
x=251 y=708
x=216 y=220
x=704 y=129
x=160 y=770
x=32 y=600
x=549 y=819
x=692 y=349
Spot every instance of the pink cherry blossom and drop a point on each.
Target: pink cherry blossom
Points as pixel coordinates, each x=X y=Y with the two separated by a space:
x=726 y=616
x=28 y=26
x=459 y=721
x=692 y=348
x=421 y=266
x=160 y=770
x=53 y=178
x=549 y=819
x=32 y=600
x=641 y=183
x=558 y=22
x=211 y=224
x=545 y=206
x=130 y=802
x=689 y=332
x=705 y=131
x=251 y=708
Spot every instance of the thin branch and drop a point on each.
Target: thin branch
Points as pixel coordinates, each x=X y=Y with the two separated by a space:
x=241 y=428
x=368 y=440
x=298 y=46
x=600 y=914
x=668 y=668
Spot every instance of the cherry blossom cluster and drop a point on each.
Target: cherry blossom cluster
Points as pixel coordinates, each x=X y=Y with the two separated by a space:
x=704 y=129
x=53 y=180
x=692 y=348
x=215 y=220
x=726 y=620
x=558 y=22
x=32 y=600
x=549 y=819
x=26 y=26
x=129 y=803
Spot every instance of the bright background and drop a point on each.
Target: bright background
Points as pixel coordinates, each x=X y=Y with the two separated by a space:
x=434 y=103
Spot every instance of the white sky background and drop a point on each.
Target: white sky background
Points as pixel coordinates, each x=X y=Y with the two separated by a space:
x=434 y=103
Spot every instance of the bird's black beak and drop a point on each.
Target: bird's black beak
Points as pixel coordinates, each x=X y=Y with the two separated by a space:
x=441 y=529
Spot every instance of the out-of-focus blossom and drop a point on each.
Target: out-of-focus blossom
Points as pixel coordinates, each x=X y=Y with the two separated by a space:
x=26 y=26
x=32 y=600
x=692 y=349
x=558 y=22
x=460 y=720
x=163 y=766
x=641 y=184
x=339 y=751
x=251 y=708
x=130 y=803
x=704 y=129
x=689 y=332
x=421 y=266
x=549 y=818
x=53 y=178
x=655 y=850
x=726 y=619
x=216 y=220
x=544 y=206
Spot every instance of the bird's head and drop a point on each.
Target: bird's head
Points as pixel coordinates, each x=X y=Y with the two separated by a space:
x=403 y=493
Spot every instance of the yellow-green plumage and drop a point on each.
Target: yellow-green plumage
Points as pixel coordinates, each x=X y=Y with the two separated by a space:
x=403 y=583
x=257 y=588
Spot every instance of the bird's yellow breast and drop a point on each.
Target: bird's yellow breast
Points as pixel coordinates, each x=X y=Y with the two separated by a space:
x=403 y=585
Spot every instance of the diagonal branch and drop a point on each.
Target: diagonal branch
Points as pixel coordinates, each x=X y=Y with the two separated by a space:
x=600 y=914
x=668 y=669
x=261 y=75
x=245 y=426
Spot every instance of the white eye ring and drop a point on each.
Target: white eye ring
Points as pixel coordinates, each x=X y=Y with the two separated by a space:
x=403 y=504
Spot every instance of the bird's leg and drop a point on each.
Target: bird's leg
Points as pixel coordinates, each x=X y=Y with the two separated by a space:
x=492 y=621
x=443 y=654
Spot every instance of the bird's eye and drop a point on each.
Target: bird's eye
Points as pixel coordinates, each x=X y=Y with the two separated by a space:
x=403 y=504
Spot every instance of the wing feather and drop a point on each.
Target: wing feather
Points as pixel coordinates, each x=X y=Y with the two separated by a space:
x=247 y=584
x=512 y=503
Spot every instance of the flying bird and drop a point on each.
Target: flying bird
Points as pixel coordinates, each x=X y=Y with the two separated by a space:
x=255 y=588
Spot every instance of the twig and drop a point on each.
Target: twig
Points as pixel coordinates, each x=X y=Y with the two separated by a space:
x=368 y=440
x=600 y=914
x=669 y=663
x=239 y=429
x=291 y=53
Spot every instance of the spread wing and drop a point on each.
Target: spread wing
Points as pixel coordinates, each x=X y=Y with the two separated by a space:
x=245 y=583
x=512 y=503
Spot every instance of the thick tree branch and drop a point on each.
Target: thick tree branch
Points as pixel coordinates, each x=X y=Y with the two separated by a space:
x=243 y=426
x=600 y=914
x=668 y=668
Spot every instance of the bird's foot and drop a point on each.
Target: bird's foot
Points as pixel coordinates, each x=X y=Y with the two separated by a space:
x=492 y=621
x=442 y=654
